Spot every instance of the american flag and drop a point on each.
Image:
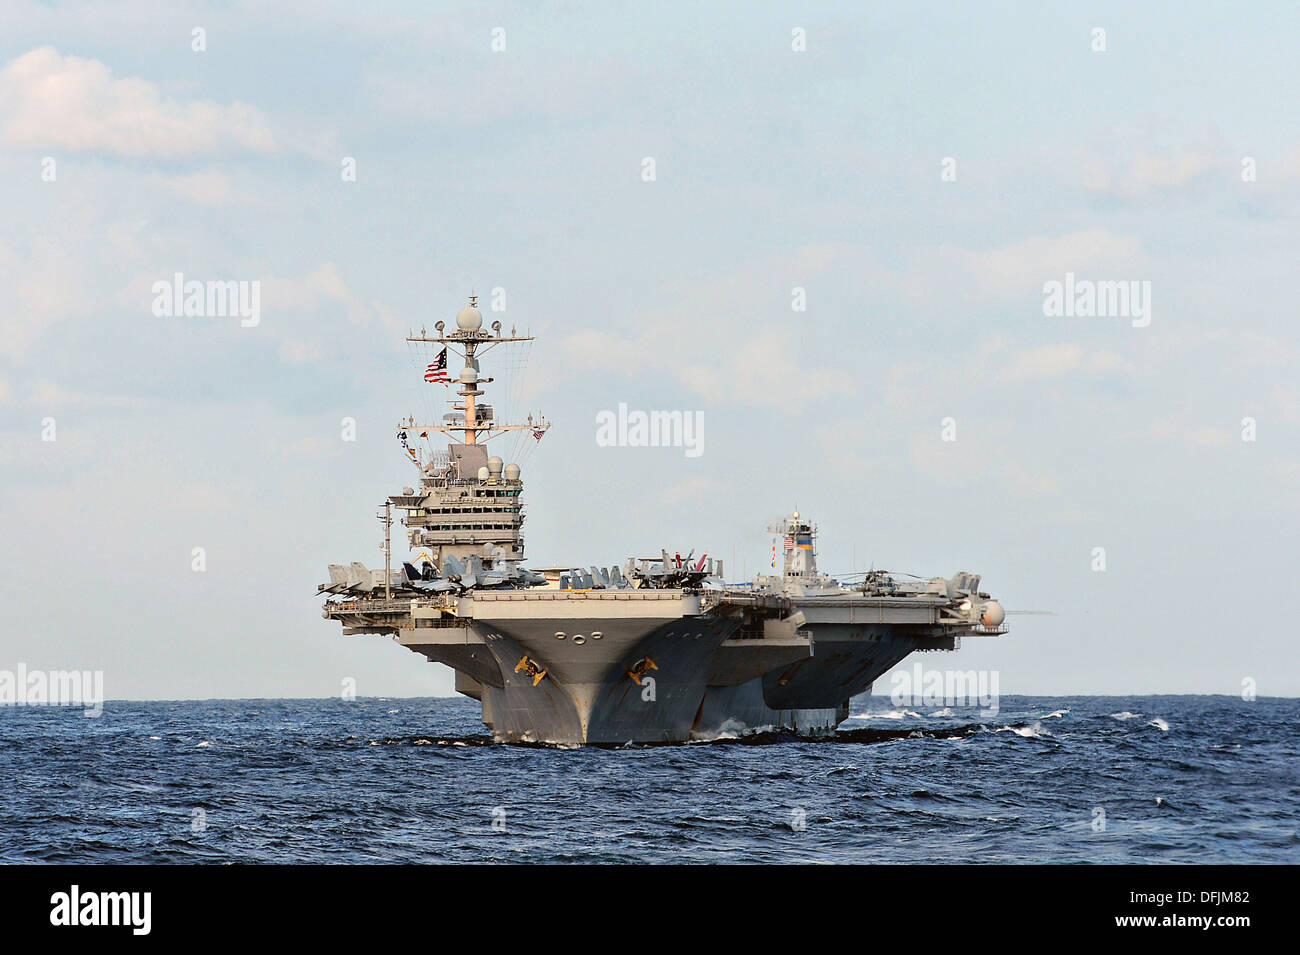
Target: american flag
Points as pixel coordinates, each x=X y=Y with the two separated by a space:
x=789 y=543
x=438 y=370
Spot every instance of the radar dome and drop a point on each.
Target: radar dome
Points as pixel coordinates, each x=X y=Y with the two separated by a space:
x=482 y=474
x=469 y=319
x=494 y=464
x=512 y=472
x=468 y=374
x=993 y=614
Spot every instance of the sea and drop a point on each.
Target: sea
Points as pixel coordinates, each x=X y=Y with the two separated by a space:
x=1167 y=779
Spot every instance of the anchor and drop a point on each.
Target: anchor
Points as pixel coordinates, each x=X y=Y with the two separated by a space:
x=530 y=668
x=640 y=669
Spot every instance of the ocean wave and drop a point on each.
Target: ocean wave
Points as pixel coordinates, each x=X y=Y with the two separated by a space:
x=1126 y=715
x=1159 y=724
x=1032 y=731
x=317 y=782
x=889 y=715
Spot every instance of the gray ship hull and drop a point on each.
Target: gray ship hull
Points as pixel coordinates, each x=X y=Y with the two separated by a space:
x=571 y=669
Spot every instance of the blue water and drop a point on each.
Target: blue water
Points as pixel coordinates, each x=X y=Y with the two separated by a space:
x=416 y=780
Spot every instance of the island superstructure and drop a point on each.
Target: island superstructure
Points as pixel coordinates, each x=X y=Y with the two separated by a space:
x=660 y=649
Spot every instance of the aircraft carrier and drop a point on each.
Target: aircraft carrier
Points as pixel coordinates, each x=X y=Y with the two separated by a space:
x=657 y=650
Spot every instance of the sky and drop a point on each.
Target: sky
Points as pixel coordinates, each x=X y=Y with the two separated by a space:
x=918 y=171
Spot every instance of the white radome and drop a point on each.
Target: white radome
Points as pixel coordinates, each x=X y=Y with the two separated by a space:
x=469 y=319
x=993 y=614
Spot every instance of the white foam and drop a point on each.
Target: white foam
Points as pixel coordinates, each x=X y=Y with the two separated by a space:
x=1126 y=715
x=1057 y=715
x=730 y=729
x=1159 y=724
x=946 y=711
x=1035 y=731
x=891 y=715
x=206 y=742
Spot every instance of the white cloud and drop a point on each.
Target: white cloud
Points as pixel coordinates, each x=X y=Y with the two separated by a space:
x=1104 y=362
x=1200 y=436
x=1288 y=167
x=1145 y=173
x=311 y=294
x=503 y=88
x=1288 y=401
x=1152 y=157
x=1044 y=361
x=312 y=290
x=737 y=323
x=1170 y=171
x=207 y=187
x=309 y=448
x=301 y=352
x=998 y=362
x=689 y=489
x=1056 y=361
x=50 y=396
x=51 y=101
x=1024 y=266
x=738 y=369
x=38 y=287
x=974 y=459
